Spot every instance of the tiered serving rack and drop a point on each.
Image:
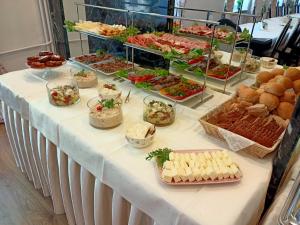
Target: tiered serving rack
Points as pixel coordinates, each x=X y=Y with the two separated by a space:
x=129 y=20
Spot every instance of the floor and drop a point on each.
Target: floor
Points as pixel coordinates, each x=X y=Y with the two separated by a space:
x=20 y=203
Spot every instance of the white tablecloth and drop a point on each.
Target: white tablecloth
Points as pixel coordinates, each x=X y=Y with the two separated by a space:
x=107 y=155
x=273 y=30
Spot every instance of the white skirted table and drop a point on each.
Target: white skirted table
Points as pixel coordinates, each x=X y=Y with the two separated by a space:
x=97 y=178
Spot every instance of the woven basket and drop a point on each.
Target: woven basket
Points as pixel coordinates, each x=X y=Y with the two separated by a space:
x=256 y=149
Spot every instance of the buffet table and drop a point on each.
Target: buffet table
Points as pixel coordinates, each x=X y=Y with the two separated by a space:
x=96 y=177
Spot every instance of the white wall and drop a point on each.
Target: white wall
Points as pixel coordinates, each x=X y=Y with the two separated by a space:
x=21 y=27
x=217 y=5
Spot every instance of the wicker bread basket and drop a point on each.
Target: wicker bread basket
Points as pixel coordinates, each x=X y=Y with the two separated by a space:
x=255 y=149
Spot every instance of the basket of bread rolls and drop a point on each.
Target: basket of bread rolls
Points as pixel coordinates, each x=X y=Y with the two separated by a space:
x=260 y=114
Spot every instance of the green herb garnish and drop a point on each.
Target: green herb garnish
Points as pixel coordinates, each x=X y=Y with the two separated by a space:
x=161 y=155
x=216 y=44
x=82 y=73
x=285 y=67
x=70 y=25
x=130 y=31
x=245 y=35
x=100 y=52
x=158 y=33
x=108 y=103
x=229 y=39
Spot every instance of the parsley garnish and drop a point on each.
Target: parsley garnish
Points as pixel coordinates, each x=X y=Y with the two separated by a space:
x=70 y=25
x=161 y=155
x=108 y=103
x=143 y=85
x=122 y=73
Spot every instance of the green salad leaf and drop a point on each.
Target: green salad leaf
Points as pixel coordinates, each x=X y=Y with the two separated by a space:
x=130 y=31
x=195 y=53
x=216 y=44
x=180 y=65
x=285 y=67
x=173 y=54
x=198 y=72
x=161 y=155
x=143 y=85
x=70 y=25
x=122 y=73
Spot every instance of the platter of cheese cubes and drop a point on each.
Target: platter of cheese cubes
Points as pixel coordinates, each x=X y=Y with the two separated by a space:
x=195 y=167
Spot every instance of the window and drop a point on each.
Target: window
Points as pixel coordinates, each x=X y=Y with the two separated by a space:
x=247 y=4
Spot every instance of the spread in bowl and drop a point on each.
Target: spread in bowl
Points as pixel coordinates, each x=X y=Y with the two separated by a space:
x=105 y=113
x=63 y=92
x=158 y=112
x=86 y=79
x=140 y=135
x=109 y=91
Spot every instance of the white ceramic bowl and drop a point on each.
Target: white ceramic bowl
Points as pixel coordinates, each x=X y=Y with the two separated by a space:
x=141 y=143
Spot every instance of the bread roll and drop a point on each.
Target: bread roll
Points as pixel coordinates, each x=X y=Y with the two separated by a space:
x=264 y=77
x=285 y=110
x=247 y=94
x=274 y=88
x=296 y=86
x=288 y=96
x=277 y=71
x=285 y=81
x=292 y=73
x=271 y=101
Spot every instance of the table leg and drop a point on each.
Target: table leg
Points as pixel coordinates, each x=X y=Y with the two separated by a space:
x=9 y=133
x=54 y=178
x=37 y=160
x=103 y=204
x=76 y=192
x=65 y=188
x=87 y=193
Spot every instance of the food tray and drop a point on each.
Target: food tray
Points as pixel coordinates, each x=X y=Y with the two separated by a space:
x=94 y=34
x=106 y=61
x=215 y=78
x=224 y=181
x=255 y=149
x=73 y=59
x=185 y=99
x=170 y=98
x=47 y=67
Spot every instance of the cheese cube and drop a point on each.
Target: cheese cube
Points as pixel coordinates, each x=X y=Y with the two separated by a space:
x=189 y=174
x=197 y=174
x=207 y=155
x=225 y=172
x=176 y=164
x=211 y=173
x=167 y=175
x=235 y=171
x=172 y=156
x=176 y=176
x=182 y=174
x=187 y=157
x=168 y=165
x=193 y=156
x=191 y=163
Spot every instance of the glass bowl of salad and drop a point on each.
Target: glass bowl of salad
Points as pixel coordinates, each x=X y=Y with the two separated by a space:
x=63 y=92
x=159 y=112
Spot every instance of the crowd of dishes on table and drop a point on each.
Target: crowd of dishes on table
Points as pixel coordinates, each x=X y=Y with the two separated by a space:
x=259 y=113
